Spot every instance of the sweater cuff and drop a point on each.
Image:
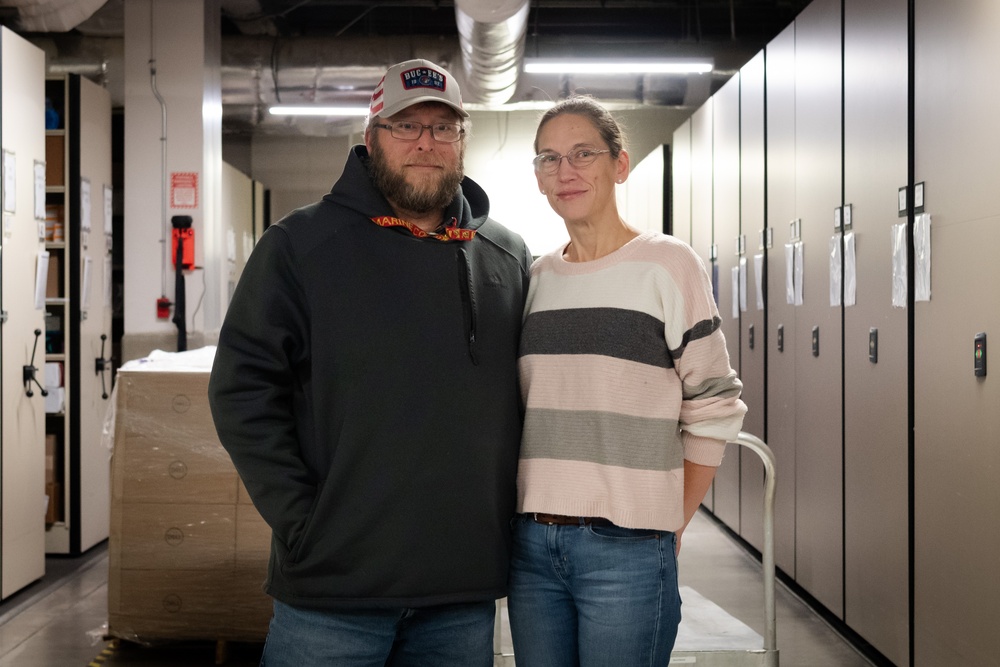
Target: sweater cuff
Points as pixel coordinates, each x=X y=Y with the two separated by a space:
x=703 y=451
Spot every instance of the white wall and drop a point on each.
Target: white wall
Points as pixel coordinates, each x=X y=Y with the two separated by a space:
x=183 y=37
x=236 y=216
x=298 y=170
x=498 y=157
x=640 y=198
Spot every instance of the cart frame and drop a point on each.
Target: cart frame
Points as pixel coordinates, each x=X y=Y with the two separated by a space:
x=767 y=656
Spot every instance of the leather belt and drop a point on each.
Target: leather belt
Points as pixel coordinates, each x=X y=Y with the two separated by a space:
x=562 y=520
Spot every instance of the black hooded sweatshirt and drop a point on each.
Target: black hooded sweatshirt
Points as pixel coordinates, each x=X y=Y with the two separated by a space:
x=365 y=386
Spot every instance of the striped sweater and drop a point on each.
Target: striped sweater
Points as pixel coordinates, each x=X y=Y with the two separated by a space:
x=624 y=375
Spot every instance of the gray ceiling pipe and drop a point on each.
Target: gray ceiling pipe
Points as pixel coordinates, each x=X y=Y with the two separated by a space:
x=491 y=35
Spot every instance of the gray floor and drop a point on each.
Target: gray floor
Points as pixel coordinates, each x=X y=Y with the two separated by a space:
x=60 y=620
x=722 y=571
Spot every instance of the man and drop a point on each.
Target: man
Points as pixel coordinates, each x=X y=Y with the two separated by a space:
x=365 y=387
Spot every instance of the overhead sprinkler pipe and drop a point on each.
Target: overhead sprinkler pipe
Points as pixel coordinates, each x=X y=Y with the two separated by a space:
x=164 y=227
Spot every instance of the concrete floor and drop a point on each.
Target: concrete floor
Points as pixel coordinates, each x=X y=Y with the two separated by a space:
x=60 y=621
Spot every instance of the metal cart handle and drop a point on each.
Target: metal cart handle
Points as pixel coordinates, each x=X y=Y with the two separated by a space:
x=767 y=555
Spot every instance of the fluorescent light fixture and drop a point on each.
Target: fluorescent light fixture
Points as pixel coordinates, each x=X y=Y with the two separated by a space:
x=317 y=111
x=670 y=66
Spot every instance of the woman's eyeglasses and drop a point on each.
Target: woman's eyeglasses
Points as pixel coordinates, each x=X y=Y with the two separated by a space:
x=548 y=163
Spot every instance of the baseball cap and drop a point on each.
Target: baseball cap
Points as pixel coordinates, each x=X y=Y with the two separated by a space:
x=412 y=82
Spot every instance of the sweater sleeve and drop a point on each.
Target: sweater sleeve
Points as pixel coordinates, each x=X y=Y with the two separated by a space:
x=711 y=410
x=254 y=383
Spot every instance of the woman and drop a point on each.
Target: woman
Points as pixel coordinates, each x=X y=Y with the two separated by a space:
x=630 y=400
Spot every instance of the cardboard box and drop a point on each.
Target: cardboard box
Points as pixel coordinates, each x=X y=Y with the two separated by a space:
x=188 y=552
x=55 y=158
x=147 y=605
x=53 y=281
x=158 y=468
x=179 y=536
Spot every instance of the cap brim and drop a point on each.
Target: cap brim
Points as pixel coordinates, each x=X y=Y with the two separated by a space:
x=393 y=110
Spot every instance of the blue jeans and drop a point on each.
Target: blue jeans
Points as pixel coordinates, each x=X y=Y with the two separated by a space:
x=592 y=596
x=457 y=635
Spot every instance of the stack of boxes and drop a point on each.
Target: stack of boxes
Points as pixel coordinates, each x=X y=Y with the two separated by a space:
x=188 y=551
x=54 y=228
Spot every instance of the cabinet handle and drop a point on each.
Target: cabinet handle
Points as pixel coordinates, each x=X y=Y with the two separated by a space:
x=30 y=370
x=100 y=365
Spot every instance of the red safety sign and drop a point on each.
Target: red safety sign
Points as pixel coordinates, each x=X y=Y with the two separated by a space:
x=183 y=189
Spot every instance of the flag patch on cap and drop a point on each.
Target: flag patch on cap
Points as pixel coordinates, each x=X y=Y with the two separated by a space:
x=376 y=104
x=423 y=77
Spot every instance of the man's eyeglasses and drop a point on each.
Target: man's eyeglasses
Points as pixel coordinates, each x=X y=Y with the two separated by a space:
x=407 y=130
x=548 y=163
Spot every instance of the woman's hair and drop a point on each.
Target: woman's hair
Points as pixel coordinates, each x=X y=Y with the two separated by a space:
x=589 y=108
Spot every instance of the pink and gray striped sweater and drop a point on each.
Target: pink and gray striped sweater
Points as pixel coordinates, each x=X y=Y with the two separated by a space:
x=624 y=374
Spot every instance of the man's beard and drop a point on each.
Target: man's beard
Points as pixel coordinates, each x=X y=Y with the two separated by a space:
x=407 y=197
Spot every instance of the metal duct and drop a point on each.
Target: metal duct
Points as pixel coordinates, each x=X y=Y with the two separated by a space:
x=491 y=35
x=53 y=15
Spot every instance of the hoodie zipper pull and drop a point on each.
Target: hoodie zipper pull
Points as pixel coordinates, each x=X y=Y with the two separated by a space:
x=468 y=300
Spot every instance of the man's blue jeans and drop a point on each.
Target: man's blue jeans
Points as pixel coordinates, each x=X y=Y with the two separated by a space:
x=592 y=595
x=458 y=635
